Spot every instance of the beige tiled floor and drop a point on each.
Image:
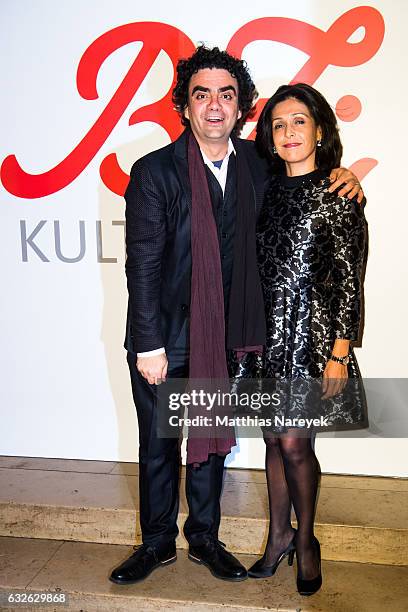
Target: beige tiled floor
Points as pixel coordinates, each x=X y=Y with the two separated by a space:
x=98 y=501
x=59 y=465
x=21 y=559
x=86 y=489
x=233 y=475
x=354 y=506
x=81 y=570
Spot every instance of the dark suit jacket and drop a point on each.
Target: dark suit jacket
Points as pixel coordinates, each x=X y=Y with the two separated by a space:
x=158 y=264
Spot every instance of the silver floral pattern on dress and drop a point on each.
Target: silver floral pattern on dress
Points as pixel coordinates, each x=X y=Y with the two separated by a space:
x=311 y=246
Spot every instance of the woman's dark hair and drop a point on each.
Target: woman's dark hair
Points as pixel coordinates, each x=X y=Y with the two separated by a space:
x=328 y=155
x=203 y=57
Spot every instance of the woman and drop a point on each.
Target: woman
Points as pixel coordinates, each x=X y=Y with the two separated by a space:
x=311 y=247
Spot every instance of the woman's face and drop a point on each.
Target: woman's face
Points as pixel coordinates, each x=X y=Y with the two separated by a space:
x=295 y=135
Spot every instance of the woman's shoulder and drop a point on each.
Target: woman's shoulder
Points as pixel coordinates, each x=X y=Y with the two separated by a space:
x=273 y=186
x=338 y=207
x=343 y=210
x=333 y=196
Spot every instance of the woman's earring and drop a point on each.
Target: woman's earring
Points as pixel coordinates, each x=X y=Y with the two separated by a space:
x=274 y=150
x=319 y=143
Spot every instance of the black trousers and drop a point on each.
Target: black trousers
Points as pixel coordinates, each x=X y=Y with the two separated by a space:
x=159 y=467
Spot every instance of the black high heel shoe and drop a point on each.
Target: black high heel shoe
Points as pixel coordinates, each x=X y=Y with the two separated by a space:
x=310 y=587
x=260 y=570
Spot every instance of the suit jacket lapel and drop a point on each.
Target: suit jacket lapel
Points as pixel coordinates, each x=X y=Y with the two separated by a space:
x=241 y=150
x=258 y=169
x=181 y=164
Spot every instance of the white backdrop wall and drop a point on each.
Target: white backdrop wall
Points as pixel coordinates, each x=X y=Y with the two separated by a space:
x=65 y=390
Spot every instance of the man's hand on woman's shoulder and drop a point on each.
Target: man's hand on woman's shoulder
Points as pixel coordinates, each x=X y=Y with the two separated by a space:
x=351 y=185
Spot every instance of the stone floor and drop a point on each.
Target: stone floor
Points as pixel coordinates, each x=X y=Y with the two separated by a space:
x=358 y=518
x=73 y=521
x=81 y=571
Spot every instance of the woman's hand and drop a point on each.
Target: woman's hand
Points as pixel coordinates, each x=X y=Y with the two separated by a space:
x=335 y=377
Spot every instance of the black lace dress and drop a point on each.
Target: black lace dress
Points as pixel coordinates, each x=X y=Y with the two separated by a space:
x=311 y=246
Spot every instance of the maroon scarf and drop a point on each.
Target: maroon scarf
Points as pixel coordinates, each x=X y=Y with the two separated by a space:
x=246 y=329
x=207 y=319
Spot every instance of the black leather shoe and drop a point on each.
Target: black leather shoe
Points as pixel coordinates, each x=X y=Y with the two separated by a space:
x=143 y=561
x=221 y=563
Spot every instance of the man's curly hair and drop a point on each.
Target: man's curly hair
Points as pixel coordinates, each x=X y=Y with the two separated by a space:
x=203 y=57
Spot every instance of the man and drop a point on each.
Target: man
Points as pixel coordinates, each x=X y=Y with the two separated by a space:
x=193 y=285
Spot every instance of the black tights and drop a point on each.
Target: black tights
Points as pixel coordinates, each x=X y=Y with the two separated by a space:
x=292 y=473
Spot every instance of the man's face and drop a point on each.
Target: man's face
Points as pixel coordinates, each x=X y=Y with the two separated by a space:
x=212 y=105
